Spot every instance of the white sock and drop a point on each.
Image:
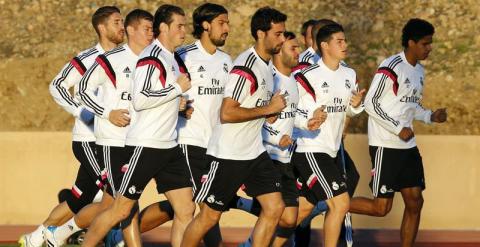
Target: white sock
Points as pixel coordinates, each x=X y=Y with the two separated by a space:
x=36 y=237
x=66 y=230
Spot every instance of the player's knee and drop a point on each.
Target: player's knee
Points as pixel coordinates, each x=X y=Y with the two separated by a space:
x=414 y=205
x=185 y=213
x=288 y=220
x=340 y=204
x=381 y=209
x=209 y=216
x=273 y=210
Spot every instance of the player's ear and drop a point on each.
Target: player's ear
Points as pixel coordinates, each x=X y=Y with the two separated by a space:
x=261 y=34
x=206 y=26
x=163 y=27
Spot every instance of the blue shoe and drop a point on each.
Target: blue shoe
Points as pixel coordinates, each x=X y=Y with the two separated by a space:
x=114 y=238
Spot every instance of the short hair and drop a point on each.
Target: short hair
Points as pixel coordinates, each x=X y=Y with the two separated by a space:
x=319 y=24
x=135 y=16
x=305 y=26
x=325 y=33
x=101 y=16
x=289 y=35
x=263 y=19
x=164 y=14
x=415 y=30
x=206 y=12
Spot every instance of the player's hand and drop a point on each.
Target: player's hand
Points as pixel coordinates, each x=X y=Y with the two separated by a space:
x=314 y=124
x=277 y=103
x=272 y=118
x=357 y=98
x=184 y=82
x=119 y=117
x=183 y=104
x=320 y=114
x=406 y=134
x=285 y=141
x=439 y=116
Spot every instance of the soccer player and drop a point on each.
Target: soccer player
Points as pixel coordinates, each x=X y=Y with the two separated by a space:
x=208 y=67
x=311 y=55
x=332 y=86
x=235 y=152
x=160 y=78
x=108 y=25
x=392 y=103
x=306 y=32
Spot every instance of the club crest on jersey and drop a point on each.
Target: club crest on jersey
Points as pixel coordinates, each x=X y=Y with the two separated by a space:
x=201 y=69
x=347 y=84
x=225 y=67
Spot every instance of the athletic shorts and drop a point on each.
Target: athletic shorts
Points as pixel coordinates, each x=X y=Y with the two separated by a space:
x=166 y=166
x=196 y=158
x=115 y=160
x=289 y=189
x=89 y=176
x=320 y=174
x=395 y=169
x=256 y=177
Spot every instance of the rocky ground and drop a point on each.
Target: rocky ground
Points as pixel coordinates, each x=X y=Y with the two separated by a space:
x=38 y=37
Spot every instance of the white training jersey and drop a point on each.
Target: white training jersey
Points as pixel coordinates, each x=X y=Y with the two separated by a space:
x=394 y=101
x=272 y=133
x=69 y=77
x=306 y=58
x=112 y=73
x=208 y=73
x=320 y=86
x=250 y=83
x=155 y=98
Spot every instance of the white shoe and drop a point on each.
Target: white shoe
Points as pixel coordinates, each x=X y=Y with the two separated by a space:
x=24 y=241
x=50 y=240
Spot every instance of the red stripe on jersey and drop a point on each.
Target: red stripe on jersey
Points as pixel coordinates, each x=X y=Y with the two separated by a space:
x=247 y=74
x=107 y=67
x=301 y=66
x=306 y=85
x=392 y=75
x=157 y=64
x=77 y=63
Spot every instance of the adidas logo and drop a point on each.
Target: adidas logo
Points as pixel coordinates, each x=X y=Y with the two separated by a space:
x=127 y=70
x=201 y=69
x=407 y=81
x=325 y=84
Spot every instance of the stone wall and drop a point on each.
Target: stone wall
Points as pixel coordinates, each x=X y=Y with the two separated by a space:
x=38 y=37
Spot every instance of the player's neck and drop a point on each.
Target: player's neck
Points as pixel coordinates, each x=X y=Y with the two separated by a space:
x=165 y=42
x=411 y=58
x=262 y=52
x=330 y=62
x=207 y=44
x=314 y=47
x=285 y=70
x=107 y=44
x=135 y=47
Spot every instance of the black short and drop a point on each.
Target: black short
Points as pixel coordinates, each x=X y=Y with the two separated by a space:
x=257 y=177
x=289 y=189
x=115 y=160
x=198 y=166
x=395 y=169
x=88 y=181
x=320 y=174
x=166 y=166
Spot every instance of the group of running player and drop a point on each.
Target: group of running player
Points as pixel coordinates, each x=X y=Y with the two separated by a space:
x=269 y=123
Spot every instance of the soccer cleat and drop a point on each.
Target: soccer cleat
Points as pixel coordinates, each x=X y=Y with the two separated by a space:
x=114 y=238
x=24 y=241
x=49 y=235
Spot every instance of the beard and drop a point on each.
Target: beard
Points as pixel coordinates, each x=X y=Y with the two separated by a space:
x=116 y=38
x=219 y=41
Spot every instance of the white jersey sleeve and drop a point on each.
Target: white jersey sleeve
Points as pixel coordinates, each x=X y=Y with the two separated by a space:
x=67 y=78
x=94 y=78
x=150 y=70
